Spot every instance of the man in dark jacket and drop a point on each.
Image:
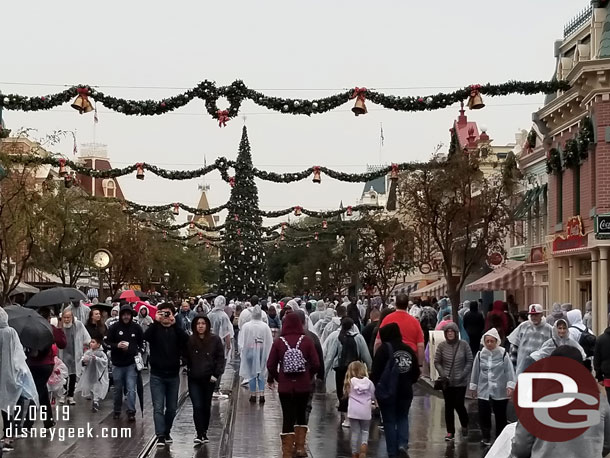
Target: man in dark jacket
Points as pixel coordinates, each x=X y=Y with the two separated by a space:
x=167 y=345
x=125 y=339
x=601 y=359
x=354 y=313
x=474 y=324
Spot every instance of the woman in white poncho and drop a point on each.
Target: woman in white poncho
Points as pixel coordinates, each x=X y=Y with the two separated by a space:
x=222 y=327
x=15 y=377
x=561 y=336
x=255 y=342
x=77 y=338
x=319 y=327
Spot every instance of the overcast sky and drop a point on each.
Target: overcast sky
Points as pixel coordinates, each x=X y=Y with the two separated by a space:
x=287 y=48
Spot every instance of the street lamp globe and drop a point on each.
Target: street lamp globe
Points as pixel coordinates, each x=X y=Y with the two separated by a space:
x=166 y=277
x=318 y=276
x=305 y=280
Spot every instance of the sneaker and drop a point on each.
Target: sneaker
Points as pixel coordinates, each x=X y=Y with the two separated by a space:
x=403 y=453
x=216 y=394
x=465 y=432
x=449 y=437
x=168 y=439
x=131 y=416
x=62 y=399
x=8 y=446
x=96 y=406
x=345 y=423
x=160 y=441
x=198 y=440
x=71 y=401
x=485 y=442
x=219 y=395
x=116 y=415
x=205 y=438
x=253 y=399
x=261 y=400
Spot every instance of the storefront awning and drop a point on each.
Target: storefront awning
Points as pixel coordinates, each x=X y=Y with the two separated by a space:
x=506 y=277
x=405 y=288
x=529 y=199
x=436 y=289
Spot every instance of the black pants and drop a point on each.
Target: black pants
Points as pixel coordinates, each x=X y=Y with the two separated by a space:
x=499 y=410
x=294 y=407
x=454 y=402
x=41 y=375
x=339 y=381
x=201 y=392
x=70 y=385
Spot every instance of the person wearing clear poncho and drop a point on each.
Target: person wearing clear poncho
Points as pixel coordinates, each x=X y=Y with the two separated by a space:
x=255 y=342
x=77 y=338
x=319 y=327
x=16 y=380
x=319 y=313
x=561 y=336
x=222 y=327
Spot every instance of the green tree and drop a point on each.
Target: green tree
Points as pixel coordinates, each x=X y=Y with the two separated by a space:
x=243 y=256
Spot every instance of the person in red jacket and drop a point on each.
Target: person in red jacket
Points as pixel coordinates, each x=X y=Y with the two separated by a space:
x=41 y=365
x=497 y=316
x=294 y=375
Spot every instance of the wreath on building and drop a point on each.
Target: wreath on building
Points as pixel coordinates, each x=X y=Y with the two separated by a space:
x=576 y=150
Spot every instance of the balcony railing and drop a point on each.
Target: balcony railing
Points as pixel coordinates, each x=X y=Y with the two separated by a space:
x=576 y=22
x=517 y=251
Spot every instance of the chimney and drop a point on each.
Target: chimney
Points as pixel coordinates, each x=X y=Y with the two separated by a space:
x=462 y=119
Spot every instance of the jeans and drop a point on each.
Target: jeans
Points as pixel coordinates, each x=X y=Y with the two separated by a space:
x=359 y=430
x=454 y=401
x=294 y=406
x=261 y=384
x=201 y=397
x=339 y=382
x=41 y=374
x=499 y=410
x=396 y=424
x=164 y=394
x=125 y=377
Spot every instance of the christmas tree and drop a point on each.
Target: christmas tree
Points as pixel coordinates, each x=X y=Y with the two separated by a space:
x=243 y=256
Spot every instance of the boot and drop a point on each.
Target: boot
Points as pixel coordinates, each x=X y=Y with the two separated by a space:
x=287 y=445
x=363 y=449
x=300 y=437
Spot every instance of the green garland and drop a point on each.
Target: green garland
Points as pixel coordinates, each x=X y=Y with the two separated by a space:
x=237 y=92
x=319 y=214
x=133 y=207
x=576 y=150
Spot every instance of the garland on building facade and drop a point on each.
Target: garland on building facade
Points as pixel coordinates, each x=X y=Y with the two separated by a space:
x=237 y=92
x=575 y=150
x=298 y=211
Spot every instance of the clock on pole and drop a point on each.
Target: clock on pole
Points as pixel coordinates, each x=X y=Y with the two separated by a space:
x=102 y=259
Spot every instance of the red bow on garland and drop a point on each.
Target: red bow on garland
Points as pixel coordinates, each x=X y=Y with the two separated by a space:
x=232 y=182
x=359 y=92
x=475 y=89
x=223 y=118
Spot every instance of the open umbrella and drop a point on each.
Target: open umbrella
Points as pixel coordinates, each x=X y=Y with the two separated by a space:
x=23 y=287
x=131 y=295
x=34 y=331
x=55 y=296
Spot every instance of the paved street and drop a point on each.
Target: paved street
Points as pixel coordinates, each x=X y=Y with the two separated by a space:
x=244 y=430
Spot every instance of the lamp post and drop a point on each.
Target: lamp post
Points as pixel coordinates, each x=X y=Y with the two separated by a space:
x=166 y=279
x=318 y=276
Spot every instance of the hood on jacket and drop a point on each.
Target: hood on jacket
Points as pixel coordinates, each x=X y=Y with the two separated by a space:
x=220 y=303
x=294 y=305
x=474 y=306
x=566 y=307
x=574 y=317
x=116 y=308
x=143 y=309
x=292 y=325
x=555 y=330
x=360 y=385
x=465 y=305
x=390 y=333
x=208 y=324
x=452 y=325
x=443 y=303
x=493 y=332
x=126 y=309
x=257 y=313
x=320 y=306
x=588 y=306
x=498 y=306
x=3 y=318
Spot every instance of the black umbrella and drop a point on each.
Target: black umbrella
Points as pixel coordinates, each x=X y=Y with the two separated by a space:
x=34 y=331
x=209 y=295
x=55 y=296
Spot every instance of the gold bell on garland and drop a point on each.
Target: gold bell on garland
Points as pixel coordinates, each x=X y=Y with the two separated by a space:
x=82 y=103
x=192 y=225
x=317 y=177
x=359 y=107
x=297 y=211
x=349 y=211
x=62 y=168
x=324 y=225
x=200 y=236
x=394 y=172
x=68 y=181
x=176 y=210
x=475 y=101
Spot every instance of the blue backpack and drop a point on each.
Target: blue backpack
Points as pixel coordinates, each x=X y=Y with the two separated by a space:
x=387 y=386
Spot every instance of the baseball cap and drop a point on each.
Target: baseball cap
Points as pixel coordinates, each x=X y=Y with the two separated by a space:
x=534 y=309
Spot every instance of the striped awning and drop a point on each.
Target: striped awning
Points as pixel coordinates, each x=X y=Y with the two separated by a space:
x=92 y=292
x=436 y=289
x=405 y=288
x=504 y=278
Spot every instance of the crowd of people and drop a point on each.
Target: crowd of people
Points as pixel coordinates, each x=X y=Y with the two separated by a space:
x=369 y=354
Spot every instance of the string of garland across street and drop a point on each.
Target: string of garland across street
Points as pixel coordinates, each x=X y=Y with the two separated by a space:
x=237 y=92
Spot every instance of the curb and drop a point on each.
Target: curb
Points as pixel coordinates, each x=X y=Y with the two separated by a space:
x=226 y=440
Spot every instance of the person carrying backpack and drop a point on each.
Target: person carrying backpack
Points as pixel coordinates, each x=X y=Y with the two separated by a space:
x=341 y=348
x=581 y=334
x=293 y=362
x=361 y=393
x=395 y=370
